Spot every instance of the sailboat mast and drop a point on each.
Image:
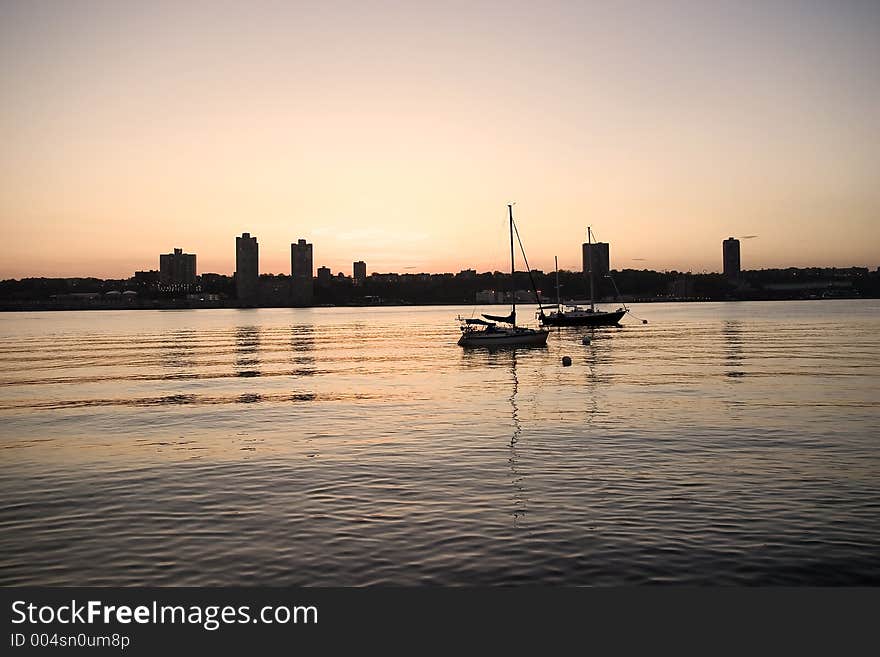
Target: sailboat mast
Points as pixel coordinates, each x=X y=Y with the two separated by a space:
x=590 y=265
x=512 y=283
x=556 y=265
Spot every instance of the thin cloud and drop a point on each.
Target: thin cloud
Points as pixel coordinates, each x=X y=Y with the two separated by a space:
x=379 y=235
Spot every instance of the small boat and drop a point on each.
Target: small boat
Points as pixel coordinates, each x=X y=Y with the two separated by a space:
x=577 y=316
x=574 y=315
x=476 y=332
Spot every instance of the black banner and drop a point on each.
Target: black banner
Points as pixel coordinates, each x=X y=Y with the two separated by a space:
x=276 y=621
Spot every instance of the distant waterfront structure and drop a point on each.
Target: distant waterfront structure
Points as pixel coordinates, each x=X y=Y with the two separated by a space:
x=177 y=270
x=359 y=271
x=682 y=287
x=485 y=296
x=385 y=278
x=730 y=248
x=301 y=273
x=324 y=276
x=601 y=259
x=144 y=280
x=247 y=268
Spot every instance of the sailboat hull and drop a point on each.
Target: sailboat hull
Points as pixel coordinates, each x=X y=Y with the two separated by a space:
x=583 y=318
x=504 y=338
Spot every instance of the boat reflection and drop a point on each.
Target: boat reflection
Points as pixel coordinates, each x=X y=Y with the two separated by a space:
x=179 y=353
x=597 y=359
x=302 y=347
x=732 y=333
x=247 y=351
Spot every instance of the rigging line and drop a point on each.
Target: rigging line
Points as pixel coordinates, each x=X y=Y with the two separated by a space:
x=617 y=292
x=528 y=269
x=620 y=298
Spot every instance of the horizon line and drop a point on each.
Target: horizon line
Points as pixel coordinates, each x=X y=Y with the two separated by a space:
x=869 y=268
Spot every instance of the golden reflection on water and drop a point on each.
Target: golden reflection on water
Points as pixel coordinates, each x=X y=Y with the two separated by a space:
x=719 y=425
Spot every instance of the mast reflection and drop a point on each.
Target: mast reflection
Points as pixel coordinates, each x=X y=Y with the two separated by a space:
x=596 y=356
x=247 y=351
x=520 y=500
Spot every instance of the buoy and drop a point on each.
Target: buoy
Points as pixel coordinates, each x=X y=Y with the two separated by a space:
x=644 y=321
x=566 y=361
x=586 y=339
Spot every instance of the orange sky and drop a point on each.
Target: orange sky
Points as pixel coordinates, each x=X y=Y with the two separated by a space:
x=397 y=132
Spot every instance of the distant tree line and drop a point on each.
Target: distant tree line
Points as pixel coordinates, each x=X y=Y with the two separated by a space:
x=462 y=288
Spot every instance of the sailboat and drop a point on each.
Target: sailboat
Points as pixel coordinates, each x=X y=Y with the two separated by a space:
x=574 y=315
x=476 y=332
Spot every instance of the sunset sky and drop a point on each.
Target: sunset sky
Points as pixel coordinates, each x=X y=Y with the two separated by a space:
x=397 y=132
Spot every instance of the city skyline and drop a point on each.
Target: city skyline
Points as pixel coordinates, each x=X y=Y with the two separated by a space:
x=398 y=134
x=246 y=253
x=275 y=264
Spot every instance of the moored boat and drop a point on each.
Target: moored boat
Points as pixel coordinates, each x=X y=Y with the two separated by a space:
x=573 y=314
x=476 y=332
x=577 y=316
x=492 y=335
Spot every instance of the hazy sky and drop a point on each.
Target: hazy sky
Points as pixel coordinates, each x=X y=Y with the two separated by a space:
x=397 y=132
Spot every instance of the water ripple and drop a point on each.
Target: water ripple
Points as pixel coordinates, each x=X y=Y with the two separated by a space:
x=719 y=444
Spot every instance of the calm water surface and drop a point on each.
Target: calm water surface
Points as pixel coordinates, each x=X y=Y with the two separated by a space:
x=720 y=443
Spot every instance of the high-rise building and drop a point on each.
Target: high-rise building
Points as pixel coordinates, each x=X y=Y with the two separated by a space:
x=301 y=260
x=302 y=282
x=359 y=270
x=324 y=276
x=730 y=249
x=247 y=268
x=177 y=270
x=600 y=258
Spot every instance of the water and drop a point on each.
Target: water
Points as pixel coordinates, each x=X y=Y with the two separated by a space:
x=720 y=443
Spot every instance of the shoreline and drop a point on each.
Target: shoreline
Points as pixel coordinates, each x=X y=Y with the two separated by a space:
x=25 y=307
